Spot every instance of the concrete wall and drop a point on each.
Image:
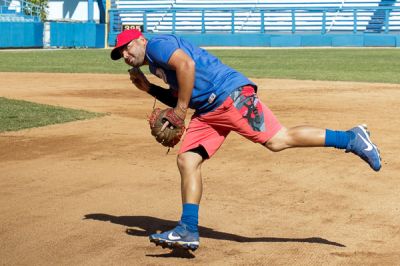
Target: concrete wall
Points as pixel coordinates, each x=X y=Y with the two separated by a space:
x=21 y=34
x=288 y=40
x=55 y=34
x=77 y=35
x=76 y=10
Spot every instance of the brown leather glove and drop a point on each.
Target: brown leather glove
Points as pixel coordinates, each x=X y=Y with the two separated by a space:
x=166 y=126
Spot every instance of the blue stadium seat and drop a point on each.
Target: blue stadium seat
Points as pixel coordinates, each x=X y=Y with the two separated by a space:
x=240 y=16
x=12 y=11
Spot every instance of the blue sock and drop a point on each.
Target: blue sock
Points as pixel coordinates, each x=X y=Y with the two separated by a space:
x=190 y=216
x=337 y=139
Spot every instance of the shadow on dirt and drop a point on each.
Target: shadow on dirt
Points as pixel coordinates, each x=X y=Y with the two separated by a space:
x=176 y=253
x=146 y=225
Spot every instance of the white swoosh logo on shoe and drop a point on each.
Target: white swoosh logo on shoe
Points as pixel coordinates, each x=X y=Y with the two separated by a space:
x=172 y=237
x=369 y=146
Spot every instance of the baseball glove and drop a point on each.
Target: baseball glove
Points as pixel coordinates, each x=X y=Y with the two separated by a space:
x=168 y=135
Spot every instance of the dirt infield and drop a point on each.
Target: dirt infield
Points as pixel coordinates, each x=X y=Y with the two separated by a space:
x=90 y=192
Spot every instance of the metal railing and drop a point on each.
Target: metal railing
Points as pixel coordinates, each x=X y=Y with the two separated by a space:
x=20 y=8
x=256 y=20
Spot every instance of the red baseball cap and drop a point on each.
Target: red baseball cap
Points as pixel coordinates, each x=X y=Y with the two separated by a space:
x=124 y=38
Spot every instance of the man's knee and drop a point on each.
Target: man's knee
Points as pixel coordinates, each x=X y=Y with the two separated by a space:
x=275 y=146
x=278 y=142
x=189 y=161
x=182 y=161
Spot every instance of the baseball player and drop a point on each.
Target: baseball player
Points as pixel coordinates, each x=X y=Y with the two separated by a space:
x=224 y=100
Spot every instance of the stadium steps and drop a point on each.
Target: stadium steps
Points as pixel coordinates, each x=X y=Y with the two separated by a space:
x=377 y=21
x=10 y=13
x=6 y=10
x=13 y=18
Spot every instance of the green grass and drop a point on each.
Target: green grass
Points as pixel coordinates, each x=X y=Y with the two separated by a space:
x=61 y=61
x=16 y=115
x=368 y=65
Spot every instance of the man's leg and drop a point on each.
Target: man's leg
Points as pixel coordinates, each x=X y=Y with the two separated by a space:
x=255 y=121
x=355 y=140
x=300 y=136
x=201 y=142
x=186 y=234
x=189 y=165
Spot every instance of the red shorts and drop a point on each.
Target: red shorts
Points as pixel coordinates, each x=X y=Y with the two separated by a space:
x=241 y=112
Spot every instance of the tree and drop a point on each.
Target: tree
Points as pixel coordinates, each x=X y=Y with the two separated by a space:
x=42 y=8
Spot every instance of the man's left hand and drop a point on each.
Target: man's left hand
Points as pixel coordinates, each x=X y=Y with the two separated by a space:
x=139 y=79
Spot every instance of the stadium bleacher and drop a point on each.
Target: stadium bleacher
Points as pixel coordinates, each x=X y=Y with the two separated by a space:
x=18 y=11
x=238 y=16
x=377 y=21
x=394 y=22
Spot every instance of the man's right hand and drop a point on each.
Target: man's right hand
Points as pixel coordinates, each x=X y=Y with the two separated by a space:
x=139 y=79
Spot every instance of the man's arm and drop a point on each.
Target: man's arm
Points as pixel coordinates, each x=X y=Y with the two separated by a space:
x=184 y=67
x=163 y=95
x=140 y=81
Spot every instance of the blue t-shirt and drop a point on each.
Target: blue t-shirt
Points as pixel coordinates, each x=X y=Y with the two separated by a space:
x=214 y=81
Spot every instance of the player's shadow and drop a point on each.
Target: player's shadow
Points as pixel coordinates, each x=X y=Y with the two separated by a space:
x=146 y=225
